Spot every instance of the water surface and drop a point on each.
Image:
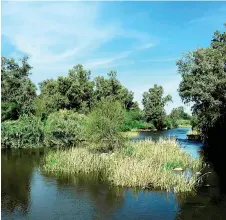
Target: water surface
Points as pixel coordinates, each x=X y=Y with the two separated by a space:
x=29 y=194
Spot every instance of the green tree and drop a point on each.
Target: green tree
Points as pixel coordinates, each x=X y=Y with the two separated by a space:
x=74 y=91
x=112 y=87
x=17 y=90
x=64 y=129
x=154 y=103
x=203 y=83
x=103 y=127
x=179 y=113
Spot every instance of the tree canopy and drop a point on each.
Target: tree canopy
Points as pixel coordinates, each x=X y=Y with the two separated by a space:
x=17 y=90
x=112 y=87
x=203 y=82
x=154 y=103
x=74 y=91
x=179 y=113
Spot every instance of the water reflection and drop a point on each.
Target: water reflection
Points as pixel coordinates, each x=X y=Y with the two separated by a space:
x=16 y=176
x=29 y=194
x=32 y=195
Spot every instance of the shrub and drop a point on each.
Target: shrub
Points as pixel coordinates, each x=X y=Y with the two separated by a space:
x=170 y=122
x=23 y=133
x=131 y=120
x=184 y=122
x=64 y=129
x=104 y=125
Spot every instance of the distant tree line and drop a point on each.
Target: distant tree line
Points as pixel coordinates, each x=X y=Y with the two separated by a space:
x=76 y=92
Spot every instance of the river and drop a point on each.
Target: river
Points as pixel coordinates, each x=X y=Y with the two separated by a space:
x=29 y=194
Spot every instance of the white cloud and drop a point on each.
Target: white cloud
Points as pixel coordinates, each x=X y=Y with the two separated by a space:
x=169 y=59
x=147 y=46
x=60 y=35
x=57 y=36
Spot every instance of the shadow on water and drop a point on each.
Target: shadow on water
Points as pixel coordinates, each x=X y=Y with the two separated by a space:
x=210 y=201
x=29 y=194
x=16 y=176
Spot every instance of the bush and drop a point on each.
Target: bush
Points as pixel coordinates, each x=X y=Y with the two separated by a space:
x=26 y=132
x=64 y=129
x=131 y=120
x=104 y=125
x=184 y=122
x=170 y=123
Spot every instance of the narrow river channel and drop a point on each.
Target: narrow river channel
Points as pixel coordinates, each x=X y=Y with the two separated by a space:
x=29 y=194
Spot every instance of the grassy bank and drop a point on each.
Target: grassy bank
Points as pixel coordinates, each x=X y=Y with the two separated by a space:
x=130 y=134
x=142 y=164
x=194 y=135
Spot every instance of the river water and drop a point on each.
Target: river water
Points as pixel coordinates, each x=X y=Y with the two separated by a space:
x=29 y=194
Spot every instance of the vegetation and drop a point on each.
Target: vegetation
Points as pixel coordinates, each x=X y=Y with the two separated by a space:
x=143 y=164
x=113 y=88
x=154 y=102
x=64 y=129
x=103 y=125
x=17 y=90
x=70 y=108
x=199 y=68
x=26 y=132
x=178 y=118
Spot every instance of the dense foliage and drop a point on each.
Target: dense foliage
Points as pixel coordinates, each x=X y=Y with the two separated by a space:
x=112 y=87
x=74 y=108
x=154 y=103
x=17 y=90
x=74 y=91
x=64 y=129
x=26 y=132
x=178 y=118
x=203 y=82
x=104 y=123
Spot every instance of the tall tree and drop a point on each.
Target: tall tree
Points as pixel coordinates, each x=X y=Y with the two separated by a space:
x=179 y=113
x=154 y=103
x=113 y=88
x=74 y=91
x=18 y=92
x=203 y=82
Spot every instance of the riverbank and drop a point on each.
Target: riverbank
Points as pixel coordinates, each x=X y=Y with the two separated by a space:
x=144 y=164
x=194 y=135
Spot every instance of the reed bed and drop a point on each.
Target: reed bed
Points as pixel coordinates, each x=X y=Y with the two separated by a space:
x=193 y=132
x=145 y=164
x=130 y=134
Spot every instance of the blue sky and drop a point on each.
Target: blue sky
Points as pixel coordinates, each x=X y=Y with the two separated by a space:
x=140 y=40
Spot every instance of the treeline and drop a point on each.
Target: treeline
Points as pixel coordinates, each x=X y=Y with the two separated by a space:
x=64 y=103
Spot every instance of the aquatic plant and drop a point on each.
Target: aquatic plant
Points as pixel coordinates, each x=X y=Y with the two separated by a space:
x=138 y=164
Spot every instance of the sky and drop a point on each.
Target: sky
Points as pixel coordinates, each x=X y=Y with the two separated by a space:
x=140 y=40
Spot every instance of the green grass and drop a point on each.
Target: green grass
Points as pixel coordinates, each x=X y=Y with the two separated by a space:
x=193 y=132
x=140 y=164
x=184 y=126
x=130 y=134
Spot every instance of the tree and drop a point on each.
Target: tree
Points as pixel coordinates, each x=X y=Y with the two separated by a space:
x=104 y=124
x=203 y=82
x=154 y=103
x=18 y=92
x=112 y=87
x=74 y=91
x=179 y=113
